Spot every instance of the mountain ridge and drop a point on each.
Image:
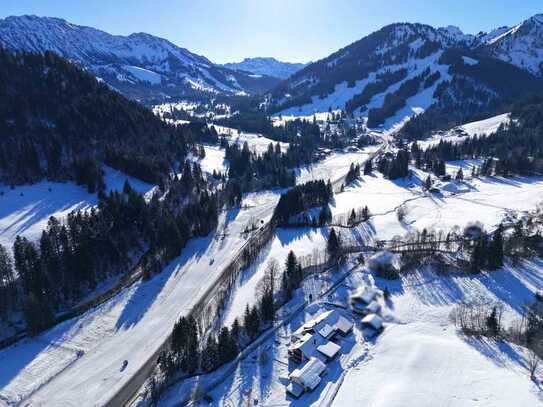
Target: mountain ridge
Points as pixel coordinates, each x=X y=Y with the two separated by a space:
x=169 y=70
x=404 y=69
x=266 y=66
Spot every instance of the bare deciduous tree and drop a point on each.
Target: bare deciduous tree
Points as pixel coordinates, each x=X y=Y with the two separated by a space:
x=533 y=363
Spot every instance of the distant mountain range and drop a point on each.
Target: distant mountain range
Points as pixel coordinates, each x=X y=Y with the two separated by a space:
x=141 y=66
x=266 y=66
x=405 y=69
x=389 y=76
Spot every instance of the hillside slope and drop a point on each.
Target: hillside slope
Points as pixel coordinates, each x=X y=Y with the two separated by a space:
x=266 y=66
x=140 y=65
x=405 y=69
x=521 y=45
x=61 y=123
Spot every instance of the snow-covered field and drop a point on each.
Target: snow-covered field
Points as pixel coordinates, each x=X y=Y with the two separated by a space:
x=484 y=127
x=25 y=209
x=487 y=200
x=257 y=142
x=46 y=370
x=333 y=167
x=422 y=360
x=213 y=161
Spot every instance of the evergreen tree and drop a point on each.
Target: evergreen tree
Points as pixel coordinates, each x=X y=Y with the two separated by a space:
x=210 y=355
x=460 y=175
x=368 y=167
x=495 y=255
x=428 y=183
x=333 y=246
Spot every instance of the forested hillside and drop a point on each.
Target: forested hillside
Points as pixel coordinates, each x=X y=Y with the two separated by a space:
x=516 y=149
x=59 y=122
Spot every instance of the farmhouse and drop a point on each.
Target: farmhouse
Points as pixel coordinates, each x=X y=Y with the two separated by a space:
x=312 y=344
x=364 y=309
x=306 y=378
x=313 y=339
x=363 y=297
x=373 y=321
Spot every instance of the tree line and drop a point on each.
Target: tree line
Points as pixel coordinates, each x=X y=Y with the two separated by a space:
x=59 y=122
x=74 y=255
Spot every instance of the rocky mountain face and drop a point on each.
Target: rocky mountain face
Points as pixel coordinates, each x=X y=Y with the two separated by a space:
x=521 y=45
x=266 y=66
x=141 y=66
x=406 y=69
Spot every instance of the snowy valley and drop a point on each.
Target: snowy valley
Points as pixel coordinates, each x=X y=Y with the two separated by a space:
x=361 y=230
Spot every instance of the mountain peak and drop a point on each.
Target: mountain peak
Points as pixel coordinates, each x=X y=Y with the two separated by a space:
x=139 y=65
x=269 y=66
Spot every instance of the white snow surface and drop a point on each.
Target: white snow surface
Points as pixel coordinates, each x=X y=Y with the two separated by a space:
x=257 y=142
x=333 y=167
x=144 y=74
x=483 y=127
x=25 y=209
x=213 y=161
x=45 y=370
x=429 y=365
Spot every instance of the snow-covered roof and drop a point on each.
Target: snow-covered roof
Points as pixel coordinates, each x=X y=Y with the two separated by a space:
x=308 y=345
x=295 y=389
x=316 y=332
x=326 y=331
x=309 y=375
x=344 y=325
x=373 y=307
x=326 y=324
x=375 y=321
x=365 y=295
x=329 y=349
x=382 y=259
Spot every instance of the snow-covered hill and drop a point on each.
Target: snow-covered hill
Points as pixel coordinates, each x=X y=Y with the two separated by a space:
x=140 y=65
x=405 y=69
x=521 y=45
x=266 y=66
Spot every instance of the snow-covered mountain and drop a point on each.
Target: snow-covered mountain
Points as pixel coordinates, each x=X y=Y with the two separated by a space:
x=405 y=69
x=521 y=45
x=266 y=66
x=140 y=65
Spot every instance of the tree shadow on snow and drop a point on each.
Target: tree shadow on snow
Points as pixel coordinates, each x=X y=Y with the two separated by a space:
x=145 y=294
x=288 y=235
x=509 y=283
x=16 y=358
x=499 y=352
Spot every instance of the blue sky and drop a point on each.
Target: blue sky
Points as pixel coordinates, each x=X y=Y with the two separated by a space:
x=291 y=30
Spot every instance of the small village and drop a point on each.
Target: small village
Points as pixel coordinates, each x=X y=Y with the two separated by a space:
x=318 y=341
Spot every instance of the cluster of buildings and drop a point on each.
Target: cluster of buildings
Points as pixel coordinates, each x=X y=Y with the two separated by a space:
x=364 y=302
x=314 y=344
x=312 y=347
